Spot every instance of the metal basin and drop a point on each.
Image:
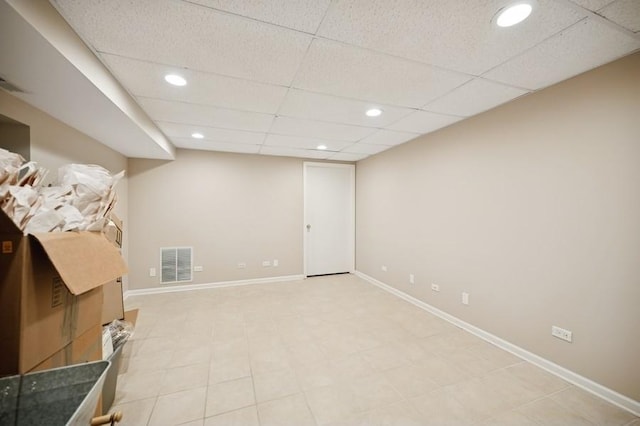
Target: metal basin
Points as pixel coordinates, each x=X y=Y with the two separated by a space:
x=60 y=396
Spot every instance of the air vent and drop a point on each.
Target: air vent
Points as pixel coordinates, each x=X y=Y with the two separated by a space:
x=176 y=264
x=10 y=87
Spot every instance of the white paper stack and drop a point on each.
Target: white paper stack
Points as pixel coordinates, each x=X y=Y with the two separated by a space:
x=82 y=201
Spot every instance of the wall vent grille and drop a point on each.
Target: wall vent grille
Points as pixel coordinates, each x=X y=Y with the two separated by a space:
x=176 y=264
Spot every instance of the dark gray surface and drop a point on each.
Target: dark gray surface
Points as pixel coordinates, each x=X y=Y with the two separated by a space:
x=51 y=397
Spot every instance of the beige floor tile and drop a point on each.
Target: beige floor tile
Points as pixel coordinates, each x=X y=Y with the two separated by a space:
x=155 y=345
x=247 y=416
x=442 y=371
x=180 y=407
x=438 y=408
x=275 y=384
x=195 y=354
x=289 y=411
x=510 y=418
x=398 y=414
x=410 y=380
x=133 y=386
x=332 y=403
x=374 y=391
x=350 y=367
x=135 y=413
x=537 y=378
x=193 y=423
x=305 y=353
x=229 y=348
x=385 y=357
x=185 y=378
x=547 y=412
x=594 y=409
x=229 y=396
x=153 y=362
x=480 y=401
x=229 y=369
x=509 y=390
x=316 y=375
x=494 y=354
x=269 y=360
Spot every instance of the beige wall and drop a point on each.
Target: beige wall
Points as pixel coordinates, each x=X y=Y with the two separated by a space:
x=534 y=209
x=54 y=144
x=229 y=207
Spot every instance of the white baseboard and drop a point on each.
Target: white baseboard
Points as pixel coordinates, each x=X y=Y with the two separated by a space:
x=603 y=392
x=191 y=287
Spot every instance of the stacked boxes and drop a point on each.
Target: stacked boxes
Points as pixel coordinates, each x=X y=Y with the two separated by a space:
x=51 y=296
x=113 y=306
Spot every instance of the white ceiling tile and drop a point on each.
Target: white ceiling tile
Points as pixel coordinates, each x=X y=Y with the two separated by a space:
x=304 y=142
x=625 y=13
x=363 y=148
x=189 y=143
x=293 y=152
x=319 y=129
x=302 y=15
x=389 y=137
x=188 y=35
x=176 y=130
x=592 y=4
x=582 y=47
x=180 y=112
x=450 y=34
x=342 y=70
x=474 y=97
x=302 y=104
x=147 y=79
x=347 y=156
x=424 y=122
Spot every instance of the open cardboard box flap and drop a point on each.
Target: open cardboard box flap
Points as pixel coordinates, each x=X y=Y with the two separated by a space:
x=84 y=260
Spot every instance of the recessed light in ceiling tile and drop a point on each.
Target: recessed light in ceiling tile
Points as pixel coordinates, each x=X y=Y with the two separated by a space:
x=373 y=112
x=175 y=79
x=197 y=135
x=321 y=147
x=513 y=14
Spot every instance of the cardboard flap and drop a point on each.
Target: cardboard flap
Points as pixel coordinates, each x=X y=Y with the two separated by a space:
x=84 y=260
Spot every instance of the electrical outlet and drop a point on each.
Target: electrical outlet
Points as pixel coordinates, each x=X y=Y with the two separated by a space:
x=275 y=262
x=198 y=269
x=435 y=287
x=412 y=279
x=384 y=268
x=242 y=265
x=465 y=298
x=266 y=263
x=152 y=272
x=561 y=333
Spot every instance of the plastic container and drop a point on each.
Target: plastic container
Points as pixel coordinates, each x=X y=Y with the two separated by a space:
x=56 y=397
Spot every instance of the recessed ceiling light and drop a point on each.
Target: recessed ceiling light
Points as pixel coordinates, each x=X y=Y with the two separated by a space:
x=513 y=14
x=197 y=135
x=373 y=112
x=175 y=79
x=321 y=147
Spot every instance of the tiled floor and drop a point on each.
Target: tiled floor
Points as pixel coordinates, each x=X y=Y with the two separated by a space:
x=328 y=351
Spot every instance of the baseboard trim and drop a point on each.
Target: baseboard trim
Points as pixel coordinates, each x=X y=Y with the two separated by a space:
x=582 y=382
x=192 y=287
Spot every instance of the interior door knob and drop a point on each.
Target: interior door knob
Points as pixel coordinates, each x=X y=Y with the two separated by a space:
x=308 y=227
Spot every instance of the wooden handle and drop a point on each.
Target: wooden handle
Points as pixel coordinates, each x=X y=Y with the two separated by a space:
x=107 y=419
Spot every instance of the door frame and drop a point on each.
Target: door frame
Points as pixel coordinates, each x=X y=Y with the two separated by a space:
x=352 y=210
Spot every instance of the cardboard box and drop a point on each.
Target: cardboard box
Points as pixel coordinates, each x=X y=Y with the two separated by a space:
x=113 y=231
x=50 y=291
x=113 y=306
x=85 y=348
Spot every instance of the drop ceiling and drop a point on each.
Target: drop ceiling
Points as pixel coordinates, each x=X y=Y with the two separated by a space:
x=280 y=77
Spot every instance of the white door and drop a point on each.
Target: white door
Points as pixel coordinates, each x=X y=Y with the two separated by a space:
x=329 y=218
